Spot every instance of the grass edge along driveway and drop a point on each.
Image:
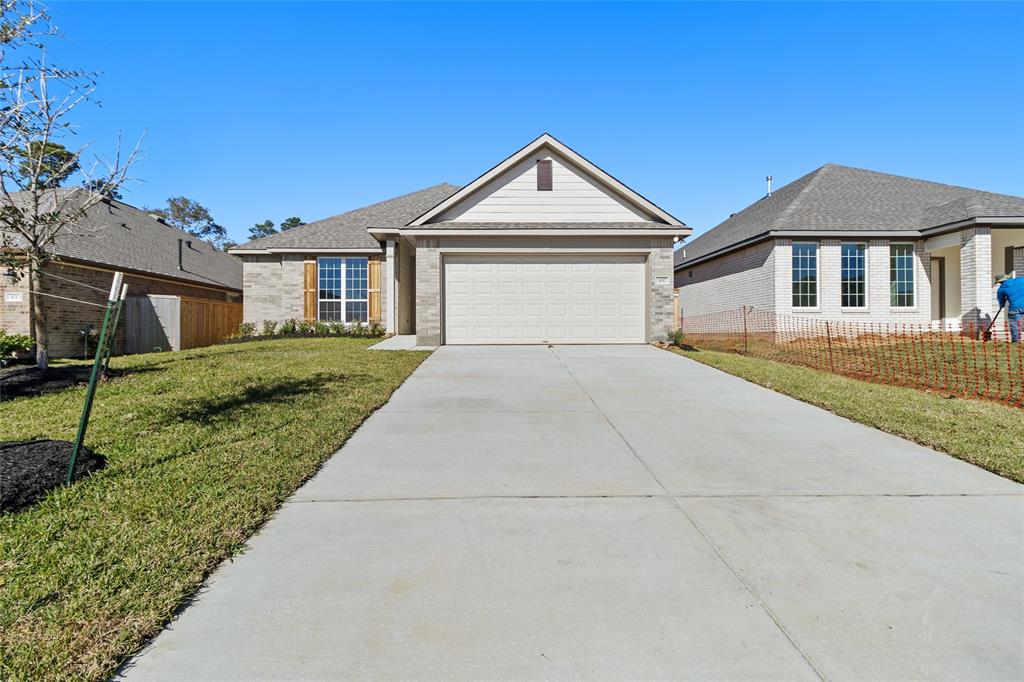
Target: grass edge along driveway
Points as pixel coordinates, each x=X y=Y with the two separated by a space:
x=987 y=434
x=202 y=447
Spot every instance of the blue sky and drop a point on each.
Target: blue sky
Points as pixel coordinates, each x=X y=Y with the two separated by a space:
x=266 y=110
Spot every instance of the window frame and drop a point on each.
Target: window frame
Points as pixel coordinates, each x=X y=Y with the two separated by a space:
x=864 y=277
x=366 y=299
x=344 y=299
x=792 y=277
x=913 y=277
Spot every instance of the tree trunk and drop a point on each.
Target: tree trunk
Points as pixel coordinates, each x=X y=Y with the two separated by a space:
x=38 y=319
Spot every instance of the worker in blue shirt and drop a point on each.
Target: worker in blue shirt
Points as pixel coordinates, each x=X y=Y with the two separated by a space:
x=1011 y=295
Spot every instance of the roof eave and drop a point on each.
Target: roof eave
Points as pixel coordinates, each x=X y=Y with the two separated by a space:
x=667 y=231
x=809 y=235
x=304 y=249
x=968 y=222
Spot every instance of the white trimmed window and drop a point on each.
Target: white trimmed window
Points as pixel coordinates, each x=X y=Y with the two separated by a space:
x=343 y=288
x=853 y=282
x=805 y=275
x=901 y=275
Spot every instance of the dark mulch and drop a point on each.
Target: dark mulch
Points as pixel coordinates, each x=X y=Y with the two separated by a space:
x=20 y=382
x=30 y=469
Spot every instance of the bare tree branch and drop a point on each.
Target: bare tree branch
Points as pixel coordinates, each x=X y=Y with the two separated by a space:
x=37 y=100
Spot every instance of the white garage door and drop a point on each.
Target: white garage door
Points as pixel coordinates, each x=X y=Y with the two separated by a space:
x=544 y=299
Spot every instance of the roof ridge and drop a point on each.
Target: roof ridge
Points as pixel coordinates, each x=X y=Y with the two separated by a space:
x=795 y=202
x=922 y=180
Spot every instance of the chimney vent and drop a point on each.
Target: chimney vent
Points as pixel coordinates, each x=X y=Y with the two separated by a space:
x=180 y=255
x=769 y=179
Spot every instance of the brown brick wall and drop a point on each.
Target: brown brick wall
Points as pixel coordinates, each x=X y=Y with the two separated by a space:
x=66 y=319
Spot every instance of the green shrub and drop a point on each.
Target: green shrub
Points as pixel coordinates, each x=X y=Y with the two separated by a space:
x=322 y=328
x=289 y=326
x=269 y=327
x=675 y=337
x=247 y=329
x=337 y=328
x=305 y=327
x=11 y=344
x=376 y=330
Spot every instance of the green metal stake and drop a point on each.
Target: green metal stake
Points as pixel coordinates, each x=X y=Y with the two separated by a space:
x=83 y=423
x=113 y=329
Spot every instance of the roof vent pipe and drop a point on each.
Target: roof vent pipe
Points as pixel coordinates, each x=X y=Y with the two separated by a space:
x=769 y=179
x=180 y=267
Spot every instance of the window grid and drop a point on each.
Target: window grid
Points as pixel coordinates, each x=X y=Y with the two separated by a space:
x=330 y=292
x=853 y=285
x=805 y=275
x=357 y=305
x=901 y=275
x=343 y=289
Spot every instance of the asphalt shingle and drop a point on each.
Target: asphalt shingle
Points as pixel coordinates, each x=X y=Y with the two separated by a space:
x=839 y=198
x=118 y=235
x=349 y=230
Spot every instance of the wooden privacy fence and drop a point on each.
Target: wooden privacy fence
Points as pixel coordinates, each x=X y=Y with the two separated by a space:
x=159 y=323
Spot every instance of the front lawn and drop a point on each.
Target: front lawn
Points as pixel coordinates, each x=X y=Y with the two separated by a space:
x=980 y=432
x=202 y=447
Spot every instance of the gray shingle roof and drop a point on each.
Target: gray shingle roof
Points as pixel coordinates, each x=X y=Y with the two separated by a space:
x=348 y=230
x=121 y=236
x=458 y=225
x=840 y=198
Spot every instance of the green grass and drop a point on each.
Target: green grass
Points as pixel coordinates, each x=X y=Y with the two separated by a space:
x=943 y=362
x=202 y=447
x=988 y=434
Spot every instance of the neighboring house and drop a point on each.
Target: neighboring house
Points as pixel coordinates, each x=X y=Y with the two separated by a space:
x=855 y=245
x=543 y=248
x=157 y=259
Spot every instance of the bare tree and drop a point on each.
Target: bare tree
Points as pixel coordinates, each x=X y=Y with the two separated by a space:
x=36 y=103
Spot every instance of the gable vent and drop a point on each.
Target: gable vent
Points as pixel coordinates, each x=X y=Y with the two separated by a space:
x=544 y=175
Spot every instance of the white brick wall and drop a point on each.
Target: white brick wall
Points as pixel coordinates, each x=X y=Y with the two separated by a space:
x=976 y=297
x=761 y=276
x=744 y=277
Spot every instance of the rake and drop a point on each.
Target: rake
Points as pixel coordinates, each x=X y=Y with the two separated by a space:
x=988 y=330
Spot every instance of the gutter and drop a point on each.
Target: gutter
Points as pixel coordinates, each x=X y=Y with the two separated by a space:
x=560 y=232
x=809 y=235
x=814 y=235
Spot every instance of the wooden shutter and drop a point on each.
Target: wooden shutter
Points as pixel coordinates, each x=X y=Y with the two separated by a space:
x=544 y=175
x=374 y=290
x=309 y=290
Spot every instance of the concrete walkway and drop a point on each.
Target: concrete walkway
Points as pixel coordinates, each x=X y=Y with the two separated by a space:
x=615 y=512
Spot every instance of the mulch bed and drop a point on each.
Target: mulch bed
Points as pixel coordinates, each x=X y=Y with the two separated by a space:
x=20 y=382
x=275 y=337
x=30 y=469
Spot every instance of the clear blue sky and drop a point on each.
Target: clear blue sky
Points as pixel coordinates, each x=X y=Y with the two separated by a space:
x=265 y=110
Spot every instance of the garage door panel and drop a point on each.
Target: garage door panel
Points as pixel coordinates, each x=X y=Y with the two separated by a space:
x=544 y=299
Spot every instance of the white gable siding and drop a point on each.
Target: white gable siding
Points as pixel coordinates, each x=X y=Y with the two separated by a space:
x=513 y=197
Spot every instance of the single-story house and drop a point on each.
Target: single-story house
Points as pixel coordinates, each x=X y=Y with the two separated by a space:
x=545 y=247
x=157 y=260
x=849 y=244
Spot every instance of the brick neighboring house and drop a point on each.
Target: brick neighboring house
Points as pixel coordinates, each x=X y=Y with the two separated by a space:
x=156 y=258
x=855 y=245
x=544 y=247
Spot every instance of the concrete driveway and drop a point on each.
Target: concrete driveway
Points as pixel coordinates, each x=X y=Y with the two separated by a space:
x=616 y=512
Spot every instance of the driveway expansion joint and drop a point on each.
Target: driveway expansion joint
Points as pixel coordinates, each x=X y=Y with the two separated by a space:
x=721 y=557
